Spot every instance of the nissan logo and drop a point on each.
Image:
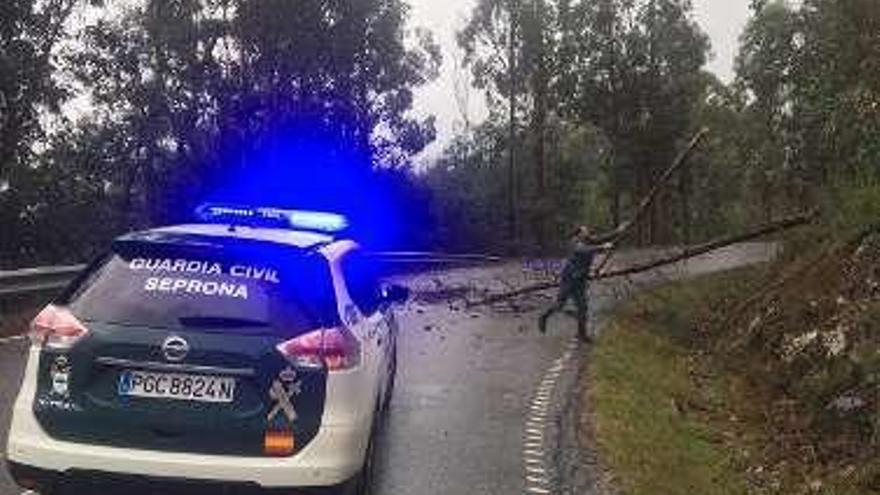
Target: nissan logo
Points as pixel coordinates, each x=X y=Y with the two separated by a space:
x=175 y=348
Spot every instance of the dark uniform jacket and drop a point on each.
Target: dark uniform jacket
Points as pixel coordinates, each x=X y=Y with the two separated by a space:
x=576 y=271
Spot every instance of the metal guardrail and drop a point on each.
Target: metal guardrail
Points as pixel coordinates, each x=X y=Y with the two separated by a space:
x=31 y=280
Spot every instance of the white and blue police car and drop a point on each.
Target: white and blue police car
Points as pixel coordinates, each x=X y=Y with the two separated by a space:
x=255 y=349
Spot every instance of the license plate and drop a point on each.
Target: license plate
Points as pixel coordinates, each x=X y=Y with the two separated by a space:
x=179 y=386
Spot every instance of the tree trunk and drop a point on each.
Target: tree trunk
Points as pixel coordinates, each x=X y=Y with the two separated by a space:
x=511 y=138
x=684 y=192
x=539 y=124
x=615 y=198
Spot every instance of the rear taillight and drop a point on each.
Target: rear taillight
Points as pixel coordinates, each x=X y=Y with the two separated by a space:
x=335 y=348
x=55 y=327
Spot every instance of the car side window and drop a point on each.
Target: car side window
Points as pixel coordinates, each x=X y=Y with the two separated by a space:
x=363 y=282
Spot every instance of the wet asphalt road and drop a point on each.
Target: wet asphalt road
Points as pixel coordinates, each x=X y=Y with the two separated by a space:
x=456 y=422
x=11 y=367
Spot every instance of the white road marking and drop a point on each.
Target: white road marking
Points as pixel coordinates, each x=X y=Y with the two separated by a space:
x=537 y=489
x=534 y=459
x=14 y=338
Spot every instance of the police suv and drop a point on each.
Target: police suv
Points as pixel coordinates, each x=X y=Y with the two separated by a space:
x=255 y=349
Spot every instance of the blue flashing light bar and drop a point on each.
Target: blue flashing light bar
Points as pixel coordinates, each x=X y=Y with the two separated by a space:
x=319 y=221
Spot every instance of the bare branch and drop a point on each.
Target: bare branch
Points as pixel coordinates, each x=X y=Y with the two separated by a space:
x=689 y=252
x=652 y=195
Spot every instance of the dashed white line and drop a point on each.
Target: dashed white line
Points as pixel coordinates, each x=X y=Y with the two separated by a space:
x=537 y=489
x=534 y=461
x=14 y=338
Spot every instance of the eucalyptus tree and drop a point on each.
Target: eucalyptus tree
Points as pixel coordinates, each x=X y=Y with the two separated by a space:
x=636 y=74
x=210 y=91
x=30 y=30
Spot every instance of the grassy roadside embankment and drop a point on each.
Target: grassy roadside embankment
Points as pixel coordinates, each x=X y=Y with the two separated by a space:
x=656 y=402
x=760 y=380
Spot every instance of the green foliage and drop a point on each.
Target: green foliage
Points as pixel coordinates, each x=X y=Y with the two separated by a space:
x=589 y=101
x=469 y=189
x=668 y=371
x=797 y=129
x=29 y=31
x=852 y=207
x=638 y=78
x=184 y=92
x=653 y=419
x=623 y=74
x=809 y=75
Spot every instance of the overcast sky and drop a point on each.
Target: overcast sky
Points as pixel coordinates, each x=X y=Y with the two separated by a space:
x=722 y=20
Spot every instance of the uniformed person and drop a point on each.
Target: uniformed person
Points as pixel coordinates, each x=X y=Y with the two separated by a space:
x=575 y=277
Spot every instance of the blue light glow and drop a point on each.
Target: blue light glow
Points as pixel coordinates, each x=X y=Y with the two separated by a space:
x=303 y=168
x=317 y=220
x=272 y=217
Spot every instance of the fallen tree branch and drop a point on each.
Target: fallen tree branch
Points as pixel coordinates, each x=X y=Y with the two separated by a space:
x=688 y=252
x=692 y=251
x=646 y=202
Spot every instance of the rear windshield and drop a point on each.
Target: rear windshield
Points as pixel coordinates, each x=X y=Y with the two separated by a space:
x=278 y=292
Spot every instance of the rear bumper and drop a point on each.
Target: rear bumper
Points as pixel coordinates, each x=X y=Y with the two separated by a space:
x=333 y=456
x=328 y=460
x=46 y=481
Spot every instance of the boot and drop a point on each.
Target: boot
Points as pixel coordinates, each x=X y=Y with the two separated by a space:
x=583 y=336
